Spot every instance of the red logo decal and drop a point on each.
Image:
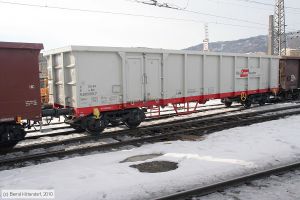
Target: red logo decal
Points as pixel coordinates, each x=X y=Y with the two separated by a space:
x=244 y=73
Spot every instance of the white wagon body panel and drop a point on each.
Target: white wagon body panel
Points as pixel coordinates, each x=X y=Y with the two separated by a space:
x=83 y=77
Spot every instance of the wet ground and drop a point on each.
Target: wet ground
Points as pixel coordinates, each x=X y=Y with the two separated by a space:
x=156 y=166
x=151 y=167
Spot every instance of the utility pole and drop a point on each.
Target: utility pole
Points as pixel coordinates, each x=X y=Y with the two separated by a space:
x=271 y=36
x=280 y=41
x=206 y=39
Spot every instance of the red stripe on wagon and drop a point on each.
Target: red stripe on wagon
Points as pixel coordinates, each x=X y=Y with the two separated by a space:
x=163 y=102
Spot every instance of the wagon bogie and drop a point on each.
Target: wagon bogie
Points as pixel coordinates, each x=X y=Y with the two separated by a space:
x=10 y=134
x=95 y=123
x=259 y=98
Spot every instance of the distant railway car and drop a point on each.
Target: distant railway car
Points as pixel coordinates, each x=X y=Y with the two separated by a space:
x=44 y=91
x=43 y=80
x=19 y=89
x=111 y=85
x=289 y=70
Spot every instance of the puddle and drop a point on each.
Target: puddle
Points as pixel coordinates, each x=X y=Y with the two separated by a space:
x=156 y=166
x=141 y=157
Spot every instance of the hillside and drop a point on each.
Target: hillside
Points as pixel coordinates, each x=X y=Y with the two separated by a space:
x=247 y=45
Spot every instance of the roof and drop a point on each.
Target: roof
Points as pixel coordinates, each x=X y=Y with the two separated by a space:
x=145 y=50
x=18 y=45
x=290 y=58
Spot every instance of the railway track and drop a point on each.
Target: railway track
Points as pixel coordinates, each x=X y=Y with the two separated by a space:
x=90 y=138
x=49 y=129
x=161 y=132
x=199 y=192
x=200 y=109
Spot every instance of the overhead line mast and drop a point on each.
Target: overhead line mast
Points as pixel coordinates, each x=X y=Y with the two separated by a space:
x=279 y=34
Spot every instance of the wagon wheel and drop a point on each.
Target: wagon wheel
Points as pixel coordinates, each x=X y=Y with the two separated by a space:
x=295 y=96
x=247 y=104
x=137 y=117
x=228 y=104
x=95 y=126
x=132 y=124
x=11 y=135
x=262 y=102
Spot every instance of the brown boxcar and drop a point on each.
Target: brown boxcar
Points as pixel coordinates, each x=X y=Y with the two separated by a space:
x=19 y=88
x=289 y=71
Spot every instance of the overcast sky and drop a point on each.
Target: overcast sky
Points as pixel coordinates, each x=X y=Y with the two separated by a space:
x=61 y=27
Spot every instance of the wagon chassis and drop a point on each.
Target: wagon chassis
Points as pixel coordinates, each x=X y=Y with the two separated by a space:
x=150 y=116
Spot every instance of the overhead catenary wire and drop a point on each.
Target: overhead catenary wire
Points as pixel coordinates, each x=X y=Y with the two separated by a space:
x=267 y=4
x=224 y=17
x=270 y=6
x=257 y=2
x=128 y=14
x=158 y=4
x=241 y=5
x=131 y=14
x=165 y=5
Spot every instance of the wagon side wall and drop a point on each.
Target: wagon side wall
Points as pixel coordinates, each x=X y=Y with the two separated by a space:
x=118 y=78
x=218 y=76
x=62 y=79
x=99 y=78
x=19 y=81
x=290 y=73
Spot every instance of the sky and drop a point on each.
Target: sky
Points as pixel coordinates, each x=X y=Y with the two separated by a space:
x=126 y=23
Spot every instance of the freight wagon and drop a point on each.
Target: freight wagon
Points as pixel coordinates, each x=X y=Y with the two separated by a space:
x=110 y=85
x=20 y=97
x=289 y=75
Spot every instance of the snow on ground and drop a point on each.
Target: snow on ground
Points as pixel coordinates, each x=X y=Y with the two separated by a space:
x=284 y=187
x=219 y=156
x=213 y=102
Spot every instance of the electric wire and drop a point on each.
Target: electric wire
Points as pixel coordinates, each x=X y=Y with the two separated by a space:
x=267 y=4
x=127 y=14
x=164 y=5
